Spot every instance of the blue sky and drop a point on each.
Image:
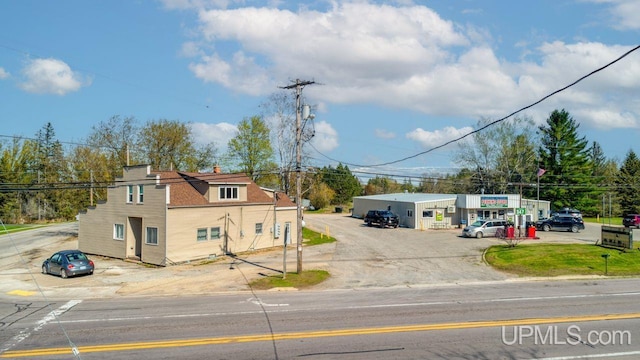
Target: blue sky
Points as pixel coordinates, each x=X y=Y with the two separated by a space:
x=395 y=78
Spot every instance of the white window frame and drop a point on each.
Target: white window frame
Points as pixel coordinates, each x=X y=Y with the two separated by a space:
x=201 y=234
x=118 y=231
x=229 y=193
x=409 y=213
x=427 y=213
x=215 y=230
x=140 y=194
x=259 y=230
x=151 y=236
x=129 y=194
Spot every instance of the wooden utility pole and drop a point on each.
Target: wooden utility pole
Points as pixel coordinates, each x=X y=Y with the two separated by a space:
x=299 y=85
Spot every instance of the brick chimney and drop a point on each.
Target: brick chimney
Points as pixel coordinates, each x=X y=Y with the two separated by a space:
x=216 y=169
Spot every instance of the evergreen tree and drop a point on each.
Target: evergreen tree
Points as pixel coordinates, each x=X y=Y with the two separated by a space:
x=565 y=157
x=342 y=182
x=627 y=184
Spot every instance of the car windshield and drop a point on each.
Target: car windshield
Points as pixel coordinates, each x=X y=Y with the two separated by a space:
x=76 y=256
x=478 y=223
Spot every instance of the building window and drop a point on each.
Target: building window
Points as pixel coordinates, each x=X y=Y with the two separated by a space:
x=410 y=213
x=229 y=193
x=215 y=233
x=258 y=228
x=152 y=236
x=202 y=234
x=129 y=193
x=118 y=231
x=427 y=213
x=140 y=194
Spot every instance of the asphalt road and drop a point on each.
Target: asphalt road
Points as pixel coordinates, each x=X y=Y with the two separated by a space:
x=508 y=320
x=394 y=293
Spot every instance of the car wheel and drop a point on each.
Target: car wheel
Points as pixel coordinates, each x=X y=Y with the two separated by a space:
x=63 y=273
x=479 y=235
x=368 y=223
x=574 y=229
x=546 y=228
x=44 y=269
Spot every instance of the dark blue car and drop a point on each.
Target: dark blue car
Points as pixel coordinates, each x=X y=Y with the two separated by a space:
x=68 y=263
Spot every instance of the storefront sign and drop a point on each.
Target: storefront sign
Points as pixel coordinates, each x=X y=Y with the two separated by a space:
x=494 y=201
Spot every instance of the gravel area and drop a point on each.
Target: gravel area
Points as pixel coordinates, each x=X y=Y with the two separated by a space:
x=362 y=257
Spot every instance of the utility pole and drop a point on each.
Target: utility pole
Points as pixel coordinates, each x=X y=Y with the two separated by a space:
x=299 y=85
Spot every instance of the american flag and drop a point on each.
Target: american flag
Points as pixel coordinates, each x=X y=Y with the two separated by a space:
x=541 y=172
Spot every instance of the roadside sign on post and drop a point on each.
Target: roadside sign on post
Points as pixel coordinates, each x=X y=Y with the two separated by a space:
x=521 y=211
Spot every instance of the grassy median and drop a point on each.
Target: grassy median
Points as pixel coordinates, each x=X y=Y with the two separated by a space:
x=307 y=278
x=563 y=259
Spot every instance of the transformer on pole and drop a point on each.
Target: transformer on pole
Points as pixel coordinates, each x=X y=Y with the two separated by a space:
x=299 y=85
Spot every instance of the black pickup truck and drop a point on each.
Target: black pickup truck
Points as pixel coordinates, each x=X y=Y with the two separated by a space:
x=382 y=218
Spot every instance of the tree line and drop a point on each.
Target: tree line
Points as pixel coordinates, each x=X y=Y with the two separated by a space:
x=43 y=179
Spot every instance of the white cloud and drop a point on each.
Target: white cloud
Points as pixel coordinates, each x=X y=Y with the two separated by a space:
x=242 y=74
x=50 y=76
x=407 y=57
x=384 y=134
x=326 y=137
x=626 y=13
x=3 y=74
x=429 y=139
x=219 y=134
x=335 y=46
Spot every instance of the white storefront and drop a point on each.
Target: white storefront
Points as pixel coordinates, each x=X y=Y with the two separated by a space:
x=436 y=211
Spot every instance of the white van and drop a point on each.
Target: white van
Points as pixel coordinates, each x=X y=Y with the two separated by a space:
x=484 y=228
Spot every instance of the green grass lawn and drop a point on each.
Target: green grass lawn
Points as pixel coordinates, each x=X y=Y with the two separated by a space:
x=11 y=228
x=299 y=281
x=562 y=259
x=311 y=237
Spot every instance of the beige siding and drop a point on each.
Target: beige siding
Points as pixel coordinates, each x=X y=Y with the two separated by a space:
x=237 y=230
x=96 y=225
x=176 y=226
x=214 y=192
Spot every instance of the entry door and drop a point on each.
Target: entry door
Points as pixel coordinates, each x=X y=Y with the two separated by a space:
x=134 y=238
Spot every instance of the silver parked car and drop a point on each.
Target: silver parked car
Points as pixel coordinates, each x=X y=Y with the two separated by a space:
x=68 y=263
x=484 y=228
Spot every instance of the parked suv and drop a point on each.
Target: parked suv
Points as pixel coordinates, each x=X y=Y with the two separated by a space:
x=483 y=228
x=631 y=220
x=561 y=223
x=381 y=217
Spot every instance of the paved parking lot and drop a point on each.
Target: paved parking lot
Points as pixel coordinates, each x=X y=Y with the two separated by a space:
x=370 y=256
x=362 y=257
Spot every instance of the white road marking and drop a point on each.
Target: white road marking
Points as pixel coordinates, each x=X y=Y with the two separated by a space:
x=356 y=307
x=592 y=356
x=259 y=302
x=51 y=316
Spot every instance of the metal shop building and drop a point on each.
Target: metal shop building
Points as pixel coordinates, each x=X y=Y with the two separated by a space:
x=444 y=211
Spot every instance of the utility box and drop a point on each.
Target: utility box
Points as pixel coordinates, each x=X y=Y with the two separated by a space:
x=617 y=237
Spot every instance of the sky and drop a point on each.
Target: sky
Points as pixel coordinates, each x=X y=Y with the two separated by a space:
x=393 y=79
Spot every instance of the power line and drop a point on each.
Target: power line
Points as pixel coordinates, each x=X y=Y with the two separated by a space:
x=491 y=123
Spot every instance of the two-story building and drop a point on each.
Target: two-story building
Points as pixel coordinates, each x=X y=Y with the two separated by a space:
x=167 y=217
